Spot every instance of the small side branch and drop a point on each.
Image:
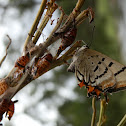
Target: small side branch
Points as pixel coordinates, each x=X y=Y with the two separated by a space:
x=94 y=112
x=72 y=16
x=35 y=23
x=102 y=117
x=51 y=8
x=84 y=14
x=123 y=121
x=66 y=56
x=6 y=50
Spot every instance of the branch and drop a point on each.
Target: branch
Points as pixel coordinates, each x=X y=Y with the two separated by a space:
x=17 y=77
x=36 y=59
x=62 y=60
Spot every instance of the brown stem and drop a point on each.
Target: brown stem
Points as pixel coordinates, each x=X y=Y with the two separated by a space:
x=83 y=15
x=51 y=39
x=50 y=10
x=94 y=112
x=66 y=56
x=102 y=117
x=72 y=16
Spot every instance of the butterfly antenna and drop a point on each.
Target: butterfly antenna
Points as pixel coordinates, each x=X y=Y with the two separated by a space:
x=89 y=44
x=84 y=42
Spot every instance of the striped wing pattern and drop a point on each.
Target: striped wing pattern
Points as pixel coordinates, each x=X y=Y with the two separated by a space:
x=99 y=70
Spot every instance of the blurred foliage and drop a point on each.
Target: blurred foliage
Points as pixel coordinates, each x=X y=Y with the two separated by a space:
x=105 y=39
x=24 y=4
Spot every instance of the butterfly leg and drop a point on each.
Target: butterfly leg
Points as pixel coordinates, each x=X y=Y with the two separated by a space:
x=94 y=91
x=81 y=84
x=98 y=93
x=106 y=97
x=90 y=90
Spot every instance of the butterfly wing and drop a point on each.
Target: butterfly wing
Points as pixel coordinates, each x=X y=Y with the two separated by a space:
x=97 y=69
x=118 y=70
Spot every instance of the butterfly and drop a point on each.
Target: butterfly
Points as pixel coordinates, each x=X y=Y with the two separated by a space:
x=97 y=72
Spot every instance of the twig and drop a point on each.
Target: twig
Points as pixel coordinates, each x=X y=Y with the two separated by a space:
x=35 y=23
x=59 y=21
x=83 y=15
x=6 y=50
x=123 y=121
x=51 y=39
x=94 y=111
x=51 y=8
x=102 y=117
x=66 y=56
x=72 y=16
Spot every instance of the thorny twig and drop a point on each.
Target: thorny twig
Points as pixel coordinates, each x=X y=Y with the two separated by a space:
x=6 y=50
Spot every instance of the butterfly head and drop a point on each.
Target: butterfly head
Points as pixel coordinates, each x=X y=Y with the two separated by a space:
x=77 y=55
x=83 y=47
x=79 y=51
